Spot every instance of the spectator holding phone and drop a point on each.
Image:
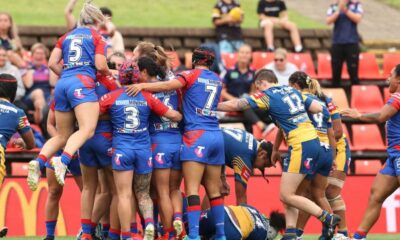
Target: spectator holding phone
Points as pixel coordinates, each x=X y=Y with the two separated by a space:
x=274 y=13
x=227 y=17
x=345 y=15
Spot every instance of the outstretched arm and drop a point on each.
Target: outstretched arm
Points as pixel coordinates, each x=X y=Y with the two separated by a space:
x=69 y=17
x=234 y=105
x=134 y=89
x=380 y=117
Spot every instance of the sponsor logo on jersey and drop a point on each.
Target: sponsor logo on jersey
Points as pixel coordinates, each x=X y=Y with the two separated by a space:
x=199 y=151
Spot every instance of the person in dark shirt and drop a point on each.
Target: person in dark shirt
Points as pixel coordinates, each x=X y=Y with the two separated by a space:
x=274 y=13
x=239 y=82
x=227 y=17
x=345 y=15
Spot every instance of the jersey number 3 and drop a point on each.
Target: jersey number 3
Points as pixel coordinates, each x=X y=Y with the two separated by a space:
x=131 y=118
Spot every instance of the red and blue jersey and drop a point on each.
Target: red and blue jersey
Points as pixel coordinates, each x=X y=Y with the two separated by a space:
x=12 y=120
x=130 y=117
x=201 y=94
x=393 y=127
x=79 y=48
x=104 y=85
x=162 y=130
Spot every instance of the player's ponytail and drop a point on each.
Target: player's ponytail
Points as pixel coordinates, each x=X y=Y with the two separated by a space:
x=8 y=87
x=90 y=15
x=157 y=54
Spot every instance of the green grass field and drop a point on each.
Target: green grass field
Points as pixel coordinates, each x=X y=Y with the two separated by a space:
x=309 y=237
x=141 y=13
x=394 y=3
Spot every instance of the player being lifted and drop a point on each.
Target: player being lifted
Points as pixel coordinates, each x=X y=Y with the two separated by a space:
x=287 y=109
x=202 y=154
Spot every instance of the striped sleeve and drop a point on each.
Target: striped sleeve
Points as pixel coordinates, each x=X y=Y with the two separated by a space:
x=258 y=101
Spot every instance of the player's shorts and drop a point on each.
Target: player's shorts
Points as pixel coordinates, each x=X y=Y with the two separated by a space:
x=391 y=167
x=2 y=165
x=73 y=167
x=323 y=165
x=74 y=90
x=166 y=155
x=205 y=147
x=302 y=157
x=343 y=155
x=97 y=151
x=137 y=160
x=207 y=226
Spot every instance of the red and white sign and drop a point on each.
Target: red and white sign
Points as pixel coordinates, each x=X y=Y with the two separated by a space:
x=23 y=211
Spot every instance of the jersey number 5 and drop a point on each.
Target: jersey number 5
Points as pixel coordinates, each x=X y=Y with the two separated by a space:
x=75 y=48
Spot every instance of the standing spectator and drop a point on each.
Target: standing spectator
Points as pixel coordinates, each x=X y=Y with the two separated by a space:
x=345 y=15
x=274 y=13
x=38 y=81
x=108 y=30
x=227 y=17
x=281 y=67
x=238 y=82
x=9 y=39
x=7 y=67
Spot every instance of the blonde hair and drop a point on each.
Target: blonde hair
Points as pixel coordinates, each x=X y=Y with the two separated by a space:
x=37 y=46
x=90 y=15
x=12 y=32
x=314 y=87
x=305 y=82
x=281 y=51
x=156 y=53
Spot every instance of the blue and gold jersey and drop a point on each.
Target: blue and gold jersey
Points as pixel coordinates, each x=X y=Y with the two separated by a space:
x=287 y=108
x=240 y=153
x=321 y=121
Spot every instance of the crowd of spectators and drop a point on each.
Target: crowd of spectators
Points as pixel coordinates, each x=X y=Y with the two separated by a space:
x=36 y=81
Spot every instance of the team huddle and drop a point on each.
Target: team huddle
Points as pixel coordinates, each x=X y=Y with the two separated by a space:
x=131 y=137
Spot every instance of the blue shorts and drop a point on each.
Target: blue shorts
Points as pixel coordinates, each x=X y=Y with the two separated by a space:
x=73 y=167
x=302 y=157
x=204 y=147
x=391 y=167
x=323 y=164
x=137 y=160
x=166 y=156
x=207 y=226
x=343 y=155
x=97 y=151
x=74 y=90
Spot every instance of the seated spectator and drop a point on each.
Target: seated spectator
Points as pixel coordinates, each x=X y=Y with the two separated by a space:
x=238 y=82
x=281 y=67
x=7 y=67
x=9 y=40
x=38 y=81
x=113 y=37
x=227 y=17
x=274 y=13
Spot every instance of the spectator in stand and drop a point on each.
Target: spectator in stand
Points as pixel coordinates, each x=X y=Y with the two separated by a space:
x=38 y=81
x=227 y=17
x=345 y=15
x=9 y=39
x=7 y=67
x=108 y=30
x=274 y=13
x=281 y=67
x=238 y=82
